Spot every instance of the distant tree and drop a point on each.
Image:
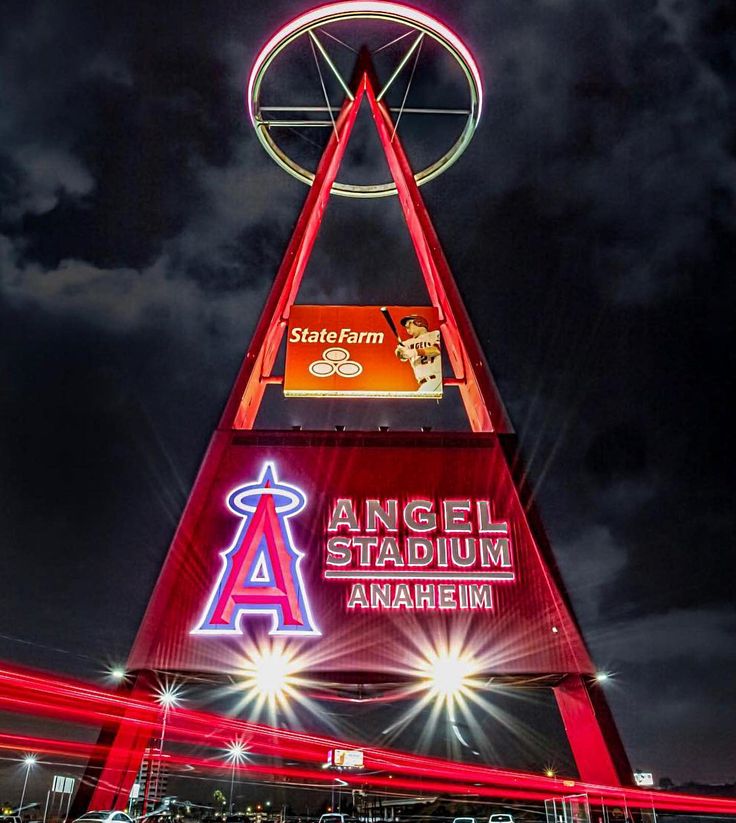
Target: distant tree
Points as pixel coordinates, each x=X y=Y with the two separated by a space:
x=218 y=797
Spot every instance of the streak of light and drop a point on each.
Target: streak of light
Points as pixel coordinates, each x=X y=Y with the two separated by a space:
x=29 y=692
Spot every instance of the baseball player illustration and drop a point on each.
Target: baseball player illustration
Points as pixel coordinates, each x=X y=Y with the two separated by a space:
x=422 y=350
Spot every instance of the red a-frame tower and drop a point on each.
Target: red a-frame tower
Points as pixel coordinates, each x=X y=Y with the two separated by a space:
x=550 y=643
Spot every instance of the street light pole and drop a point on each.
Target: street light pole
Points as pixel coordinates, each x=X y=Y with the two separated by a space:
x=160 y=754
x=29 y=761
x=168 y=696
x=236 y=755
x=232 y=784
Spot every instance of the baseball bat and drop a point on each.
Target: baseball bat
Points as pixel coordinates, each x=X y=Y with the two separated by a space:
x=387 y=317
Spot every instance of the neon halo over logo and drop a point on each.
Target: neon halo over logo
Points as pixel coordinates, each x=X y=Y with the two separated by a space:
x=261 y=570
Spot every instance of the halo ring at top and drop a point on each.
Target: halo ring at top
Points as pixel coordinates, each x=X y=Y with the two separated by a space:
x=357 y=10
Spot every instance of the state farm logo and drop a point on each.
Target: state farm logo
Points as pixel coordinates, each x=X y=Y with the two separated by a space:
x=300 y=334
x=335 y=360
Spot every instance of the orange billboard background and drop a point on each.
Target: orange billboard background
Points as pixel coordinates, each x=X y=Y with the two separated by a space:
x=350 y=351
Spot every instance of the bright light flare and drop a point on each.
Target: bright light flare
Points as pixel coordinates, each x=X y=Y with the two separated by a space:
x=601 y=677
x=269 y=681
x=30 y=760
x=169 y=695
x=270 y=674
x=237 y=752
x=448 y=674
x=117 y=673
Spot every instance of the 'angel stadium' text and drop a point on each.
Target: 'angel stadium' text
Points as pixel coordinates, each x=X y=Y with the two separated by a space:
x=422 y=554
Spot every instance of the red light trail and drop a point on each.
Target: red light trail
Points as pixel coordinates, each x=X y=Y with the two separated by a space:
x=32 y=693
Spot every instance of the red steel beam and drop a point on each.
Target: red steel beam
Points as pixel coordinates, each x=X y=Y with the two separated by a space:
x=480 y=396
x=245 y=400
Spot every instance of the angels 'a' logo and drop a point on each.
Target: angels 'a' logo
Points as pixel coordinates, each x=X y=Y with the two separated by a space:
x=261 y=573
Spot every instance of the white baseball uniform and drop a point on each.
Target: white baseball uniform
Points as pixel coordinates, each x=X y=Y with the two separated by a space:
x=427 y=370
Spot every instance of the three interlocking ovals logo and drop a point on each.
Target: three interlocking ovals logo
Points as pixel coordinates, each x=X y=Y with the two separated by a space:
x=335 y=360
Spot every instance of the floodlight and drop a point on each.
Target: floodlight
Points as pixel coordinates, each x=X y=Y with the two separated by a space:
x=236 y=751
x=448 y=674
x=269 y=673
x=169 y=695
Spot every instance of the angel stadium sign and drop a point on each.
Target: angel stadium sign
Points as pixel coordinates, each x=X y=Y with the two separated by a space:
x=422 y=554
x=329 y=540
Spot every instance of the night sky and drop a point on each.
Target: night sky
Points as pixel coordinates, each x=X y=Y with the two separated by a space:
x=590 y=227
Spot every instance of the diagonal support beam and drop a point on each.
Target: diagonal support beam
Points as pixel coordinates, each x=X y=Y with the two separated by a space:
x=332 y=66
x=397 y=70
x=245 y=399
x=480 y=396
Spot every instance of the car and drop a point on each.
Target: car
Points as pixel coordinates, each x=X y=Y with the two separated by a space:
x=108 y=816
x=335 y=817
x=501 y=817
x=464 y=820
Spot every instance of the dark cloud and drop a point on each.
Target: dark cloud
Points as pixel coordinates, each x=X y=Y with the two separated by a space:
x=590 y=226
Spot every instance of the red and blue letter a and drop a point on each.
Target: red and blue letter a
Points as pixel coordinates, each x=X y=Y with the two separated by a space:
x=261 y=573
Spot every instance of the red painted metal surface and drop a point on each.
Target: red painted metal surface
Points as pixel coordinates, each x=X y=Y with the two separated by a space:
x=595 y=744
x=125 y=742
x=528 y=630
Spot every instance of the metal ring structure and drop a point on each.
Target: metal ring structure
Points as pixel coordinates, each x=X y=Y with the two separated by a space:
x=385 y=10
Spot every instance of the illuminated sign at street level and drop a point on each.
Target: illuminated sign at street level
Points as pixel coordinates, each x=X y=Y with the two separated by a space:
x=345 y=758
x=261 y=573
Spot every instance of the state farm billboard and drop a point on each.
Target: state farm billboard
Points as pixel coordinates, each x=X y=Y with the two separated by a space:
x=353 y=548
x=363 y=351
